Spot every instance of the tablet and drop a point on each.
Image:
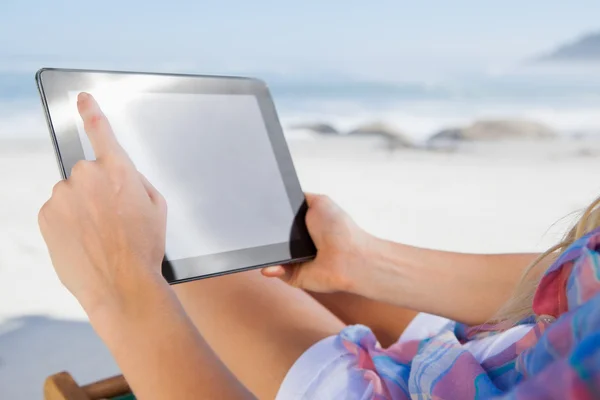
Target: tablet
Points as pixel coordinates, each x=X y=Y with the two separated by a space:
x=214 y=148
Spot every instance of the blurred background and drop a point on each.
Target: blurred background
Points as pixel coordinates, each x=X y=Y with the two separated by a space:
x=464 y=125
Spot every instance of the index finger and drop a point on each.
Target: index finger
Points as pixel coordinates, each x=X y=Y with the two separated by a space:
x=97 y=127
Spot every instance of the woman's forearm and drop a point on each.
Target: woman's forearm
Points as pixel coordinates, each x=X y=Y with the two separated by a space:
x=159 y=351
x=469 y=288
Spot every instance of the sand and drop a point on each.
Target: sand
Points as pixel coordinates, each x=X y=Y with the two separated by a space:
x=485 y=198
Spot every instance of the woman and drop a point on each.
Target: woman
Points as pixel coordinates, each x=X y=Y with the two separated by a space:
x=298 y=337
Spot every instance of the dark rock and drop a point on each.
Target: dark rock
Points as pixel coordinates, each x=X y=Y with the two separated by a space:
x=393 y=137
x=492 y=130
x=450 y=134
x=321 y=128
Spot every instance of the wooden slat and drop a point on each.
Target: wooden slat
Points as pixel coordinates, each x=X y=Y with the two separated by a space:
x=62 y=386
x=107 y=388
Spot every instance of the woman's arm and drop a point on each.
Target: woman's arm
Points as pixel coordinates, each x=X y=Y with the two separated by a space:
x=158 y=349
x=469 y=288
x=464 y=287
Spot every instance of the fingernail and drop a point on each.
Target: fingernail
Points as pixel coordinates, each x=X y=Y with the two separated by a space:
x=272 y=270
x=83 y=96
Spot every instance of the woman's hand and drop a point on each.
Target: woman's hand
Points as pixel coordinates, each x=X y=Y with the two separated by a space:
x=469 y=288
x=105 y=226
x=343 y=250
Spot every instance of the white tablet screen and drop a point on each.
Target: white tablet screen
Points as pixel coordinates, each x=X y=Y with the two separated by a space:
x=210 y=157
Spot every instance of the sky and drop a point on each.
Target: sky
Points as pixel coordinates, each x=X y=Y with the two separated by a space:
x=383 y=39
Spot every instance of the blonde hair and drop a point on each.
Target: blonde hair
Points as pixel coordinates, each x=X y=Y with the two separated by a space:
x=520 y=305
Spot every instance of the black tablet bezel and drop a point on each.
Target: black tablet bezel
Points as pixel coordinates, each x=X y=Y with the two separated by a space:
x=54 y=86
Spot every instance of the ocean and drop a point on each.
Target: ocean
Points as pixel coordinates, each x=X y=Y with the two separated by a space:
x=568 y=103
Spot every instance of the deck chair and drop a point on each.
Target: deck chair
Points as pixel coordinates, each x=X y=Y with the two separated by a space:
x=62 y=386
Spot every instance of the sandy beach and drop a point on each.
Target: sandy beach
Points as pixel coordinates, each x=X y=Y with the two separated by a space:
x=497 y=197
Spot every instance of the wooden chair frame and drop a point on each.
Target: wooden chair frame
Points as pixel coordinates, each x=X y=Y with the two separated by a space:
x=62 y=386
